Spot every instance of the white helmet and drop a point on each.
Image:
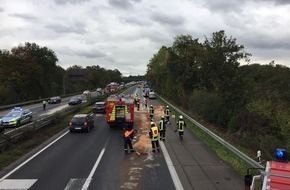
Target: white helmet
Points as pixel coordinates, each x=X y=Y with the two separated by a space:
x=167 y=106
x=151 y=106
x=181 y=117
x=162 y=117
x=152 y=123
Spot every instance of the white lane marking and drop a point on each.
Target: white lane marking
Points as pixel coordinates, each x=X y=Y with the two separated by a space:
x=17 y=184
x=171 y=168
x=89 y=179
x=74 y=184
x=51 y=111
x=25 y=162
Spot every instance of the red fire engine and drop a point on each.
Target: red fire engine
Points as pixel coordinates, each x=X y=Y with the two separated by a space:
x=120 y=110
x=276 y=175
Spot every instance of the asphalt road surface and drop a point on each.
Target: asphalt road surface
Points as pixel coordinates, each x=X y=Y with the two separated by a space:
x=96 y=160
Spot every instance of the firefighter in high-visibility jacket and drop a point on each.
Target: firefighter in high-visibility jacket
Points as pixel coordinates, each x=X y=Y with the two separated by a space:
x=151 y=112
x=162 y=128
x=154 y=136
x=180 y=127
x=128 y=135
x=167 y=114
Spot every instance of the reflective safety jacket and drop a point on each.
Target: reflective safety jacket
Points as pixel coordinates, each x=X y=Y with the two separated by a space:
x=180 y=125
x=129 y=133
x=167 y=111
x=154 y=133
x=151 y=111
x=161 y=125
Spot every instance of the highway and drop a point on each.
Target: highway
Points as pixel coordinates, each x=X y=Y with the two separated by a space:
x=38 y=112
x=96 y=160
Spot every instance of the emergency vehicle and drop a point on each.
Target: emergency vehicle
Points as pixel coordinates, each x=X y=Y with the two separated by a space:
x=16 y=117
x=120 y=110
x=276 y=175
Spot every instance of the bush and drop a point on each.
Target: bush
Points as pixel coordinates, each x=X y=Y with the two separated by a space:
x=205 y=104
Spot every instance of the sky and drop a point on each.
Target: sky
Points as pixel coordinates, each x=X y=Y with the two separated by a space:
x=125 y=34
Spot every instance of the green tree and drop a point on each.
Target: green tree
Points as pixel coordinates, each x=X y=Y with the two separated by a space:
x=29 y=68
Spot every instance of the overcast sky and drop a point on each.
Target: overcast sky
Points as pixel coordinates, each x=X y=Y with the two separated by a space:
x=125 y=34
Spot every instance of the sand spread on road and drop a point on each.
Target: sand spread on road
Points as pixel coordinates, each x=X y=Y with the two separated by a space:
x=142 y=142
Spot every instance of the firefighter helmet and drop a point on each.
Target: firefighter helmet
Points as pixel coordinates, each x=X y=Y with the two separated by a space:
x=162 y=117
x=152 y=123
x=167 y=106
x=181 y=117
x=151 y=106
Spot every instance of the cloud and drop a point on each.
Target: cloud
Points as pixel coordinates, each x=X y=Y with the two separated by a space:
x=121 y=4
x=77 y=28
x=167 y=19
x=24 y=16
x=92 y=54
x=63 y=2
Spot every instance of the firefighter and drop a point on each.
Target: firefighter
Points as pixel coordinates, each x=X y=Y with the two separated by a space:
x=151 y=112
x=44 y=105
x=162 y=128
x=180 y=127
x=138 y=104
x=128 y=136
x=136 y=99
x=167 y=114
x=145 y=103
x=154 y=135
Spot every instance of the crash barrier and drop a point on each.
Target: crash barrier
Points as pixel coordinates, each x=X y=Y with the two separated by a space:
x=20 y=104
x=227 y=145
x=18 y=133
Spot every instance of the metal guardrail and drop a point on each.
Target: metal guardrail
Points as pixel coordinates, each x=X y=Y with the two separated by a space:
x=43 y=122
x=32 y=101
x=230 y=147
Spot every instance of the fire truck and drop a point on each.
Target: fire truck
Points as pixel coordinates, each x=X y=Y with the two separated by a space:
x=120 y=110
x=276 y=175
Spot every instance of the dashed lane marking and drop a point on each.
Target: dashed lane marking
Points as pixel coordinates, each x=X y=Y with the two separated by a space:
x=17 y=184
x=75 y=184
x=89 y=179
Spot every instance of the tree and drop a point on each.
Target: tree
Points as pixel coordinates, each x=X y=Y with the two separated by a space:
x=221 y=64
x=29 y=68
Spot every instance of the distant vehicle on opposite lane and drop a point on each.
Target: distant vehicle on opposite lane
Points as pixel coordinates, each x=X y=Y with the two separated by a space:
x=16 y=117
x=81 y=122
x=100 y=90
x=86 y=92
x=75 y=101
x=54 y=100
x=152 y=95
x=99 y=107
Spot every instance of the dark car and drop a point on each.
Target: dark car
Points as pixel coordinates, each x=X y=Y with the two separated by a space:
x=75 y=101
x=81 y=122
x=99 y=107
x=54 y=100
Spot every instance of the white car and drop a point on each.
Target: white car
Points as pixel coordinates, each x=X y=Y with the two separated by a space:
x=86 y=92
x=152 y=95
